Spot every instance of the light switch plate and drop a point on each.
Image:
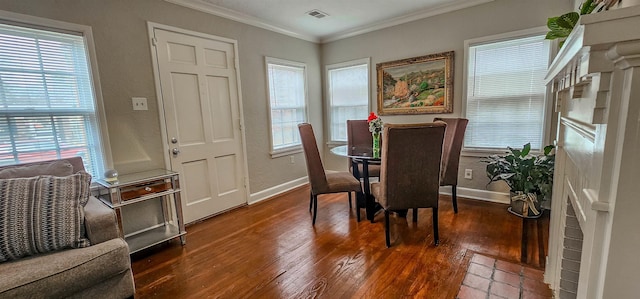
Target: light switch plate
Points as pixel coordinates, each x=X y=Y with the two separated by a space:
x=139 y=103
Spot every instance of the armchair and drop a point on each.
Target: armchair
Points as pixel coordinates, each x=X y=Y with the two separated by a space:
x=453 y=140
x=322 y=182
x=409 y=177
x=101 y=270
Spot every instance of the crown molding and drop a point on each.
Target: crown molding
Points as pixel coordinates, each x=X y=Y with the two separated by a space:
x=240 y=17
x=445 y=8
x=251 y=20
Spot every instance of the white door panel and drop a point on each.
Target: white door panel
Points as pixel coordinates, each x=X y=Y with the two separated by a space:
x=201 y=109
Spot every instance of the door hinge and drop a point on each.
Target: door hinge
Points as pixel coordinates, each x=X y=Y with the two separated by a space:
x=240 y=124
x=154 y=41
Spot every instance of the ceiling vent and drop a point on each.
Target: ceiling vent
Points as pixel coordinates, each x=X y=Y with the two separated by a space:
x=317 y=14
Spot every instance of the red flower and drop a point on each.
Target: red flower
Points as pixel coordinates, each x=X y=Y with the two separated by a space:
x=372 y=116
x=375 y=123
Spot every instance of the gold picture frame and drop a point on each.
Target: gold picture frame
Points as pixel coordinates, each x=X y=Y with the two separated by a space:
x=419 y=85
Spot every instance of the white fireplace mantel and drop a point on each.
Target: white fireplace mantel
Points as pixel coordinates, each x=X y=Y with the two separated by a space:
x=596 y=85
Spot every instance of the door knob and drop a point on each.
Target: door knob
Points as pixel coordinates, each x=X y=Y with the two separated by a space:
x=174 y=140
x=175 y=151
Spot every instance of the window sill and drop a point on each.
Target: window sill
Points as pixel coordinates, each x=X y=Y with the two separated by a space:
x=285 y=152
x=482 y=153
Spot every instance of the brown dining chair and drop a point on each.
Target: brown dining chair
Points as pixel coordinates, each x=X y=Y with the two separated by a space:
x=358 y=135
x=409 y=177
x=453 y=140
x=322 y=182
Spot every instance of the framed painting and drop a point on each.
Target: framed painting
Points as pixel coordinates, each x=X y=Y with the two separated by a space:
x=418 y=85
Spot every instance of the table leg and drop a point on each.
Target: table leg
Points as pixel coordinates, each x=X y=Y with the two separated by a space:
x=360 y=198
x=370 y=203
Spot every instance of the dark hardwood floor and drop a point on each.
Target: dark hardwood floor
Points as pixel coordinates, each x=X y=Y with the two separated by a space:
x=270 y=250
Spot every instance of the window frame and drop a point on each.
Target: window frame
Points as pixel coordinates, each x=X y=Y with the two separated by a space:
x=86 y=32
x=547 y=107
x=296 y=148
x=329 y=67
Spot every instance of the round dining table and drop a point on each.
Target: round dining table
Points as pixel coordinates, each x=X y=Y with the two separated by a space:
x=361 y=155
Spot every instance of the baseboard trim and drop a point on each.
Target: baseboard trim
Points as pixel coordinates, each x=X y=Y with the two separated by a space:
x=275 y=190
x=485 y=195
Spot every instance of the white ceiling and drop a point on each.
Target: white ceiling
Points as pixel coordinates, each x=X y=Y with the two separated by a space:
x=345 y=17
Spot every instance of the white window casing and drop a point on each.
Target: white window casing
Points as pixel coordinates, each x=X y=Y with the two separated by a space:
x=50 y=101
x=287 y=93
x=504 y=92
x=348 y=96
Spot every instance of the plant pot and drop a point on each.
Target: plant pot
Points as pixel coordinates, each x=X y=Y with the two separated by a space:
x=526 y=205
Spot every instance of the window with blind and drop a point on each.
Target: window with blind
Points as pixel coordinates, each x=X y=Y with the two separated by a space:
x=505 y=92
x=348 y=90
x=47 y=104
x=287 y=99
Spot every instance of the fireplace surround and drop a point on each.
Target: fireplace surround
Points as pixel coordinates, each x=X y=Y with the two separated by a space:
x=595 y=79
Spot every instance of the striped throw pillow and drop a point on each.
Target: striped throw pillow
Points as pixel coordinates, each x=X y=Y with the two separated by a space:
x=42 y=214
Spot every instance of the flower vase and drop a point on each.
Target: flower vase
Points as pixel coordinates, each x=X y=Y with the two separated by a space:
x=376 y=145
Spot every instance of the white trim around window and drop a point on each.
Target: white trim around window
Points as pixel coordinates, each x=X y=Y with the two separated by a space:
x=347 y=96
x=287 y=94
x=100 y=125
x=503 y=98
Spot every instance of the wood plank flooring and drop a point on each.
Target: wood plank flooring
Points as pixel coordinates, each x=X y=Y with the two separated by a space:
x=271 y=250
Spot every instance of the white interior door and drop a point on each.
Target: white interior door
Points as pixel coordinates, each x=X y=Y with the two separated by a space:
x=202 y=117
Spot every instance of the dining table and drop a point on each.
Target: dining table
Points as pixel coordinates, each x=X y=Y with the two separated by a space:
x=361 y=155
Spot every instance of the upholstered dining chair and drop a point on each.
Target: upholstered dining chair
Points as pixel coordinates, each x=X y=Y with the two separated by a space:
x=453 y=140
x=322 y=182
x=358 y=135
x=410 y=172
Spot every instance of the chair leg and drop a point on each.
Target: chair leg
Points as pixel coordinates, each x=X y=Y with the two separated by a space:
x=454 y=198
x=310 y=201
x=315 y=208
x=386 y=229
x=357 y=208
x=415 y=214
x=350 y=206
x=436 y=237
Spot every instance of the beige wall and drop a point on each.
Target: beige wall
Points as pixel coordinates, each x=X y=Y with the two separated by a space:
x=437 y=34
x=125 y=68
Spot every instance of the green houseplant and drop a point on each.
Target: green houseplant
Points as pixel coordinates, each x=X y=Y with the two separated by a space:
x=561 y=26
x=530 y=177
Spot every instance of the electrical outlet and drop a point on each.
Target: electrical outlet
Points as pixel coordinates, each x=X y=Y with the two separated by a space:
x=292 y=159
x=468 y=174
x=139 y=103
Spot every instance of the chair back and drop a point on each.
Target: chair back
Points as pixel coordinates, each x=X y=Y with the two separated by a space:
x=315 y=170
x=410 y=171
x=76 y=164
x=358 y=134
x=453 y=140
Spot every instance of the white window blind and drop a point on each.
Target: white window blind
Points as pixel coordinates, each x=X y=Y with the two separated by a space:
x=47 y=108
x=287 y=95
x=348 y=97
x=505 y=98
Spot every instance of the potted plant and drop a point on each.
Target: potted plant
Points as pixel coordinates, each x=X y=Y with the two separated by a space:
x=530 y=177
x=561 y=26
